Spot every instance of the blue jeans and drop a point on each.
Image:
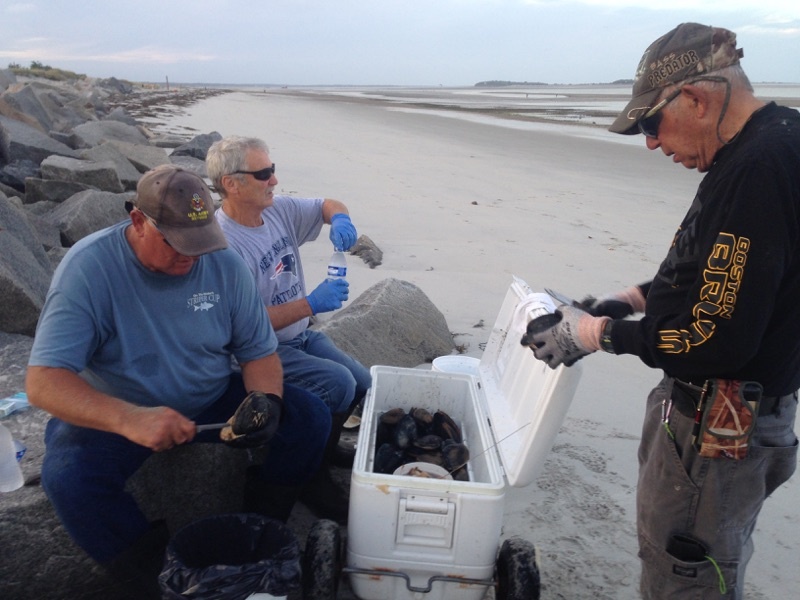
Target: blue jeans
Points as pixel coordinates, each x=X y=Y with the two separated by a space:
x=85 y=470
x=313 y=362
x=712 y=500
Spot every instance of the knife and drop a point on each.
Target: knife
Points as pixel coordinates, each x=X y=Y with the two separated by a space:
x=210 y=426
x=561 y=298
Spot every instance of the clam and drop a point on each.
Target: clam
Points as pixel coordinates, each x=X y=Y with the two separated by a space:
x=387 y=459
x=405 y=432
x=392 y=416
x=455 y=455
x=445 y=427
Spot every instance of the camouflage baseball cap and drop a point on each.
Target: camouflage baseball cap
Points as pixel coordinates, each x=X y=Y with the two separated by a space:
x=688 y=51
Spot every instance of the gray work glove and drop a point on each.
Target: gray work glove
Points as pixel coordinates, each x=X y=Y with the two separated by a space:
x=565 y=336
x=255 y=422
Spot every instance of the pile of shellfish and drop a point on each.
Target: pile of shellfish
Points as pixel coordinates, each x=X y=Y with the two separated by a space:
x=420 y=436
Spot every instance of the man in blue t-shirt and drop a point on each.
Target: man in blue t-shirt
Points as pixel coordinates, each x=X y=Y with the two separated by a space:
x=134 y=350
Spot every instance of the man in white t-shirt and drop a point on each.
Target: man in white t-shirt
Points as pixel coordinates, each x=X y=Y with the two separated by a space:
x=267 y=231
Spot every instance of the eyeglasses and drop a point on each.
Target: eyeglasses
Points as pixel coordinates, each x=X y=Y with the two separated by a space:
x=262 y=175
x=652 y=119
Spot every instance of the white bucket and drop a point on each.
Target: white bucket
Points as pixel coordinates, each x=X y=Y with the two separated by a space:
x=457 y=363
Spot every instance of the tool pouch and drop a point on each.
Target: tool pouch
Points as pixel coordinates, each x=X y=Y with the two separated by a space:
x=726 y=417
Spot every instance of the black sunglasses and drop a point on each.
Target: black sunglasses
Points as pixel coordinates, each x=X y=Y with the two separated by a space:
x=262 y=175
x=652 y=119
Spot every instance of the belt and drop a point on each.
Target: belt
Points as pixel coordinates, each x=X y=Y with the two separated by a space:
x=688 y=397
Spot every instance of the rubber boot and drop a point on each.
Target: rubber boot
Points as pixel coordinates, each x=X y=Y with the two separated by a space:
x=321 y=493
x=136 y=570
x=267 y=499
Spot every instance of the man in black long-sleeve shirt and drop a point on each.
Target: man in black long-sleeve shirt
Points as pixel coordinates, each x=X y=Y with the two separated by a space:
x=723 y=307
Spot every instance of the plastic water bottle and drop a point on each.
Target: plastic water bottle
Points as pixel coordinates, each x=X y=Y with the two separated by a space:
x=10 y=473
x=337 y=265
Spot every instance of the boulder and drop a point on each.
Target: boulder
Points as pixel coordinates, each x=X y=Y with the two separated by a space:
x=392 y=323
x=24 y=278
x=127 y=173
x=198 y=146
x=97 y=175
x=15 y=173
x=119 y=114
x=87 y=212
x=142 y=156
x=7 y=78
x=51 y=190
x=23 y=142
x=189 y=163
x=97 y=132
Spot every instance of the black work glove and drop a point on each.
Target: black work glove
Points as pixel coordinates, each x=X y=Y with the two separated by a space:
x=617 y=305
x=597 y=307
x=255 y=421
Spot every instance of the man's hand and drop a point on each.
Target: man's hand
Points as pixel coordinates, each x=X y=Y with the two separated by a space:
x=255 y=422
x=565 y=336
x=328 y=295
x=618 y=305
x=158 y=428
x=343 y=232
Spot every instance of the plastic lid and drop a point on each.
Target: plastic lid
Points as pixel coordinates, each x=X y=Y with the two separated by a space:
x=526 y=400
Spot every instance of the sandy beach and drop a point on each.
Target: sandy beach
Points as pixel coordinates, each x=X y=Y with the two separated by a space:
x=461 y=202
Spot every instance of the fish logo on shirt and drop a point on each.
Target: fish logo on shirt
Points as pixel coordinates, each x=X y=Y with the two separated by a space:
x=287 y=264
x=203 y=306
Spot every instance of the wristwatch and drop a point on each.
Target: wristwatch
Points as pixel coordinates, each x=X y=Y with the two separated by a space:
x=605 y=337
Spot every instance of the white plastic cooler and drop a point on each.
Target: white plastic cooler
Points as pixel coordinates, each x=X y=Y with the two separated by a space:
x=432 y=539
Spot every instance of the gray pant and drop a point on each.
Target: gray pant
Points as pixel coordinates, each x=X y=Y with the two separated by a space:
x=684 y=498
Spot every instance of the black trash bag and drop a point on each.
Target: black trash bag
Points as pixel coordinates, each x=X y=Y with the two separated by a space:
x=230 y=557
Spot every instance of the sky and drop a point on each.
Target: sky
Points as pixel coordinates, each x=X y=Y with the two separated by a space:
x=381 y=42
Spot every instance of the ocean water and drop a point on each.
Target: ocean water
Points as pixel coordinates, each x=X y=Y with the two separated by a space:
x=519 y=107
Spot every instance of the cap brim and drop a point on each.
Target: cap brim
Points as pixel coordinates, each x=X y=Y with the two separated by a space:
x=627 y=121
x=195 y=241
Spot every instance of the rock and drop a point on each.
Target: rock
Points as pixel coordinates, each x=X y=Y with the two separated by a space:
x=23 y=142
x=7 y=78
x=194 y=165
x=367 y=251
x=16 y=172
x=51 y=190
x=10 y=191
x=97 y=175
x=142 y=156
x=391 y=323
x=198 y=146
x=127 y=173
x=119 y=114
x=97 y=132
x=87 y=212
x=15 y=221
x=25 y=272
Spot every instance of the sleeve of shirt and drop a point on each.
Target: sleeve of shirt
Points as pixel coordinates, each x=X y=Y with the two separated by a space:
x=747 y=251
x=68 y=332
x=253 y=335
x=304 y=215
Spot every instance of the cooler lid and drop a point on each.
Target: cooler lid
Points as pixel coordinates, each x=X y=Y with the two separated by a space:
x=525 y=399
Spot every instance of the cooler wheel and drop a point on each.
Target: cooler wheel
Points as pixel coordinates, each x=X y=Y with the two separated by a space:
x=322 y=561
x=517 y=571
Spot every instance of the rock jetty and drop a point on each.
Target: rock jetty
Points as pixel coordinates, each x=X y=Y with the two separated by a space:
x=71 y=154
